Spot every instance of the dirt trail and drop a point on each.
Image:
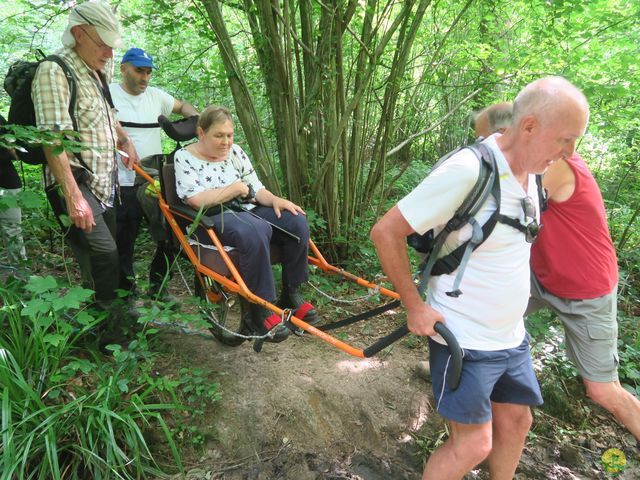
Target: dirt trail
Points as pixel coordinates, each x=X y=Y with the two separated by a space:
x=314 y=409
x=303 y=410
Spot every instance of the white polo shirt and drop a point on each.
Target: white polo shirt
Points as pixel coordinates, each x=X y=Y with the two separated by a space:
x=489 y=313
x=143 y=108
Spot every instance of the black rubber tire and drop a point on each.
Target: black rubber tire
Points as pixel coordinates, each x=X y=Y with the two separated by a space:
x=232 y=314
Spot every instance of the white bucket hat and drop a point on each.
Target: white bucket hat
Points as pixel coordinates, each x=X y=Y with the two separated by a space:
x=99 y=15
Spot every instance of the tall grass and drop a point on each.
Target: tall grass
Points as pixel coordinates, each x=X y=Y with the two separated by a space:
x=67 y=412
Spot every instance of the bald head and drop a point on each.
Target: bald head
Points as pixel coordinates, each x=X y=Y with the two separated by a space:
x=492 y=119
x=549 y=116
x=548 y=98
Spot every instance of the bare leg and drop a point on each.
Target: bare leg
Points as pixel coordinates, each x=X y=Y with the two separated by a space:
x=511 y=423
x=622 y=404
x=467 y=446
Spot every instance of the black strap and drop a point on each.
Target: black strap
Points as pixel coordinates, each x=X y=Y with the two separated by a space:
x=543 y=194
x=451 y=261
x=139 y=125
x=104 y=86
x=512 y=222
x=73 y=93
x=361 y=316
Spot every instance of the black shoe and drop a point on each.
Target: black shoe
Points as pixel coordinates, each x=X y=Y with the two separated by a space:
x=292 y=298
x=264 y=321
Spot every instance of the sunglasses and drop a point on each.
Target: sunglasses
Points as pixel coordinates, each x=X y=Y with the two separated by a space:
x=531 y=229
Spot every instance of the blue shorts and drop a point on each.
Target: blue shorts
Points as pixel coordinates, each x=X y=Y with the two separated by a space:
x=502 y=376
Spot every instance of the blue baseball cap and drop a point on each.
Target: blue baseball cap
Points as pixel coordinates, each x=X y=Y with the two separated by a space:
x=138 y=58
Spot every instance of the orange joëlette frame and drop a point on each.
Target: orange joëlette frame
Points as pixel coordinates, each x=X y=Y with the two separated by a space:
x=236 y=284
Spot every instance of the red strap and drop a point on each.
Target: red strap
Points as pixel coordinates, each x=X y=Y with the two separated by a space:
x=271 y=321
x=303 y=309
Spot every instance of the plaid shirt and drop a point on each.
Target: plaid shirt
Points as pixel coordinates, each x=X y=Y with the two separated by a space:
x=95 y=119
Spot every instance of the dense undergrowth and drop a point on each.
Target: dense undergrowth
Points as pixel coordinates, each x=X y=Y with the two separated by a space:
x=72 y=411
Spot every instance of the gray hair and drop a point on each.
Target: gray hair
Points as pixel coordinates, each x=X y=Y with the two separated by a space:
x=499 y=116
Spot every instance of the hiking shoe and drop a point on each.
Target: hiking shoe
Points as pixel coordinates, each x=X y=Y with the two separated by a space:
x=280 y=332
x=291 y=298
x=264 y=321
x=423 y=371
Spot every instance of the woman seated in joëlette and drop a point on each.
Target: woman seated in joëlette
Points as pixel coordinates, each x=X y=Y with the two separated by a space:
x=213 y=171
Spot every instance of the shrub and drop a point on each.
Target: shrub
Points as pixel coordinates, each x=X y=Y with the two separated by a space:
x=68 y=412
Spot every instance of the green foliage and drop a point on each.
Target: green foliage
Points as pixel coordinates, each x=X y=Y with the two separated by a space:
x=65 y=413
x=629 y=354
x=13 y=136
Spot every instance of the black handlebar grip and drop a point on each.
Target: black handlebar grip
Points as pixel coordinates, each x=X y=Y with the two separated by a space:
x=455 y=367
x=384 y=342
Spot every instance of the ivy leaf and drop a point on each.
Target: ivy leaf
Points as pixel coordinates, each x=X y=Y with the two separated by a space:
x=85 y=319
x=54 y=339
x=35 y=307
x=41 y=284
x=123 y=385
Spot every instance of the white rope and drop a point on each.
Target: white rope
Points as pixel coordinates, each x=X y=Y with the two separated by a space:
x=184 y=280
x=372 y=292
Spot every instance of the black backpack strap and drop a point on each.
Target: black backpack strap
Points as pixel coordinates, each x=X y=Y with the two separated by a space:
x=72 y=87
x=543 y=195
x=104 y=86
x=139 y=125
x=488 y=183
x=512 y=222
x=73 y=95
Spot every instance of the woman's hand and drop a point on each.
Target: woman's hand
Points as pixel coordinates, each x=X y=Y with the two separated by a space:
x=280 y=204
x=240 y=189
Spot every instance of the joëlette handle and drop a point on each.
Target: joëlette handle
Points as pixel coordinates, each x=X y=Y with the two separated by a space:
x=455 y=366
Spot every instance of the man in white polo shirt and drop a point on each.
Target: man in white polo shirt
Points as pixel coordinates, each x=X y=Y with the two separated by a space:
x=489 y=412
x=138 y=106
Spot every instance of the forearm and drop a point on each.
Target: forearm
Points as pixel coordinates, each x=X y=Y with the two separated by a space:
x=394 y=260
x=214 y=196
x=62 y=172
x=127 y=149
x=187 y=110
x=265 y=197
x=123 y=137
x=389 y=238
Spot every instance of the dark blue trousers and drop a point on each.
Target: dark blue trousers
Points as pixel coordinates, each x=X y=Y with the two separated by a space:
x=129 y=217
x=252 y=238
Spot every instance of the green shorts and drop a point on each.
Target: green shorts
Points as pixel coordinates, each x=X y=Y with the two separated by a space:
x=590 y=327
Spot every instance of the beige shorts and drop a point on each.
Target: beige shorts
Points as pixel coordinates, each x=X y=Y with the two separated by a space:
x=590 y=327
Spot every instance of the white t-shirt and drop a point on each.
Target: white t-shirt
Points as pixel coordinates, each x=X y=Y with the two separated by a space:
x=194 y=175
x=489 y=314
x=143 y=108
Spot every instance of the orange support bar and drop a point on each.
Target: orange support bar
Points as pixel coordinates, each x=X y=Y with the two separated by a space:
x=235 y=284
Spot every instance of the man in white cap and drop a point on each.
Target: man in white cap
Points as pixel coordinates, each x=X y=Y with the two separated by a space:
x=137 y=108
x=83 y=186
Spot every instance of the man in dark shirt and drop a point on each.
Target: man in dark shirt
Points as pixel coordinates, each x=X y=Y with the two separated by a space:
x=10 y=217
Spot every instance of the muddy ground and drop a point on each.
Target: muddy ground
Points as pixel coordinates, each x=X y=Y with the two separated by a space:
x=303 y=410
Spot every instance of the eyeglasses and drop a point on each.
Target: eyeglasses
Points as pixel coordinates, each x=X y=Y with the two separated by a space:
x=531 y=229
x=100 y=44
